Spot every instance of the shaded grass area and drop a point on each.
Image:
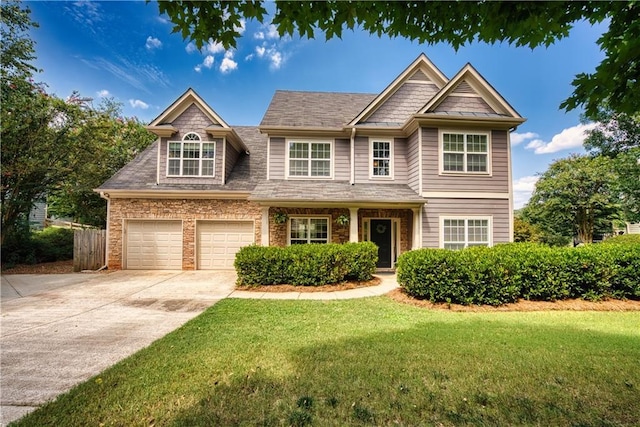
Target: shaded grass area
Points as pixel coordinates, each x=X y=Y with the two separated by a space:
x=369 y=362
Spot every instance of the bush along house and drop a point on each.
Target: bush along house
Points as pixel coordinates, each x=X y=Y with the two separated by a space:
x=424 y=163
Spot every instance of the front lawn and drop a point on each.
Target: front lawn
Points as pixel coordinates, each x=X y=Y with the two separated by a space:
x=369 y=362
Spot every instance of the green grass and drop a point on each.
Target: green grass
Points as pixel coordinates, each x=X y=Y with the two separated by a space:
x=369 y=362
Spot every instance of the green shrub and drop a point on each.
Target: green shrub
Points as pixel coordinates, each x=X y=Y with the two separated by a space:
x=623 y=239
x=53 y=244
x=306 y=265
x=508 y=272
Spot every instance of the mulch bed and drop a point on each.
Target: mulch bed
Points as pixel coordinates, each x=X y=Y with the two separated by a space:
x=57 y=267
x=324 y=288
x=522 y=305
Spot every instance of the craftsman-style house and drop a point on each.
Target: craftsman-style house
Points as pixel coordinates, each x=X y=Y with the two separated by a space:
x=424 y=163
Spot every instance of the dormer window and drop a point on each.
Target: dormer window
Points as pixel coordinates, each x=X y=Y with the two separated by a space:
x=191 y=156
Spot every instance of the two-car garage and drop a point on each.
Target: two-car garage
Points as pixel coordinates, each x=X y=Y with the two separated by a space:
x=158 y=244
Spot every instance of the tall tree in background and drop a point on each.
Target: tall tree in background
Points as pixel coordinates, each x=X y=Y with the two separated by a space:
x=530 y=24
x=115 y=141
x=617 y=136
x=575 y=196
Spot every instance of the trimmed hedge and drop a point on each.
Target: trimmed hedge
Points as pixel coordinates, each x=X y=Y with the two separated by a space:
x=27 y=247
x=506 y=273
x=624 y=239
x=306 y=265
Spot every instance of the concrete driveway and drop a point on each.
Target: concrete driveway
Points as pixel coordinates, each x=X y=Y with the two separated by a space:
x=61 y=329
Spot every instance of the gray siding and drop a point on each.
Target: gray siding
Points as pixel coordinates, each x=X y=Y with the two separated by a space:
x=342 y=156
x=231 y=158
x=498 y=182
x=276 y=157
x=363 y=157
x=413 y=170
x=434 y=208
x=192 y=120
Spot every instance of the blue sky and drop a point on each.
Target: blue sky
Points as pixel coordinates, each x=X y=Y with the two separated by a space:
x=126 y=50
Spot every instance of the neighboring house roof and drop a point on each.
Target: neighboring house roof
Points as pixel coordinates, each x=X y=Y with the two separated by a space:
x=281 y=191
x=141 y=175
x=314 y=109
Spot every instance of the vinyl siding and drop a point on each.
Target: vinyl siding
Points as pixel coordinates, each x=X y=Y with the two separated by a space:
x=413 y=169
x=276 y=158
x=342 y=159
x=407 y=100
x=498 y=182
x=434 y=208
x=363 y=157
x=464 y=104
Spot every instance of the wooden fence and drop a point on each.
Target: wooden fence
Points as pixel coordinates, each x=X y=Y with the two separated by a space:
x=89 y=249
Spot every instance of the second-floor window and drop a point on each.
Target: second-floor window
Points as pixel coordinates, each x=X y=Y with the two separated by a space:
x=309 y=159
x=191 y=156
x=381 y=156
x=465 y=152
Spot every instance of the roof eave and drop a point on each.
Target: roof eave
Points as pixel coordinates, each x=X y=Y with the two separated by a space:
x=291 y=203
x=171 y=194
x=437 y=120
x=162 y=130
x=304 y=131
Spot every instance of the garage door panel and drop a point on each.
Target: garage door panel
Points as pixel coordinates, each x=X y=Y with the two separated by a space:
x=153 y=244
x=219 y=241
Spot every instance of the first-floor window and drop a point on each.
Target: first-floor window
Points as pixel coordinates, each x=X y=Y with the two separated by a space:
x=462 y=233
x=309 y=230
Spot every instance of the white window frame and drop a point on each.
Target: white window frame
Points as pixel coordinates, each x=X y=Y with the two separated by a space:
x=389 y=141
x=200 y=159
x=309 y=218
x=308 y=141
x=466 y=219
x=465 y=153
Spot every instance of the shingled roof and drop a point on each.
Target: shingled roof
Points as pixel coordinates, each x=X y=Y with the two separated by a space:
x=140 y=173
x=314 y=109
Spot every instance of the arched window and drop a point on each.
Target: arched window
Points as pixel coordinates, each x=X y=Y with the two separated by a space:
x=191 y=156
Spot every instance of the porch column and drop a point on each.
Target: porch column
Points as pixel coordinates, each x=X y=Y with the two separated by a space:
x=353 y=225
x=265 y=226
x=416 y=241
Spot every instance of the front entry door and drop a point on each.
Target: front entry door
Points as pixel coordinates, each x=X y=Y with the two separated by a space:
x=381 y=236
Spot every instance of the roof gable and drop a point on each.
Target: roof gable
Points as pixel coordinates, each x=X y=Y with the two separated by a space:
x=417 y=84
x=469 y=92
x=189 y=98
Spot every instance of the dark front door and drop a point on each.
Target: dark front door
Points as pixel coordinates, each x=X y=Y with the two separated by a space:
x=381 y=236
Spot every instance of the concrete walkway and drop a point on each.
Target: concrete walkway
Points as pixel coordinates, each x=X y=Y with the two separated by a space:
x=59 y=330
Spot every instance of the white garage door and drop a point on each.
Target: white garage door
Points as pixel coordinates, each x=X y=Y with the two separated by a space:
x=218 y=242
x=154 y=245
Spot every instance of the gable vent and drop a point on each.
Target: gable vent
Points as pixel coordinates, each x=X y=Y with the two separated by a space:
x=464 y=87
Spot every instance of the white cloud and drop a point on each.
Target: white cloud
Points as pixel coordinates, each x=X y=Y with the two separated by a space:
x=572 y=137
x=228 y=64
x=214 y=47
x=248 y=57
x=198 y=68
x=136 y=103
x=272 y=32
x=267 y=32
x=191 y=47
x=153 y=43
x=242 y=27
x=103 y=93
x=208 y=61
x=260 y=50
x=522 y=189
x=519 y=138
x=276 y=59
x=259 y=35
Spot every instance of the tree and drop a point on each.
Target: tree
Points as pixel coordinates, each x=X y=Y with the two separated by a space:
x=529 y=24
x=617 y=136
x=524 y=231
x=575 y=196
x=115 y=141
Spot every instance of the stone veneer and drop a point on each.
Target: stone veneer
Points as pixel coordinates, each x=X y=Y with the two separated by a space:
x=189 y=211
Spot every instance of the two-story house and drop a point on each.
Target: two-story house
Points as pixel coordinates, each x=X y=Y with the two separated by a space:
x=424 y=163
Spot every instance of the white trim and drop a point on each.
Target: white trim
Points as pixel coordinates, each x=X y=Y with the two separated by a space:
x=463 y=195
x=264 y=232
x=510 y=175
x=443 y=217
x=309 y=141
x=416 y=239
x=353 y=224
x=391 y=142
x=107 y=234
x=420 y=159
x=158 y=159
x=465 y=132
x=309 y=217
